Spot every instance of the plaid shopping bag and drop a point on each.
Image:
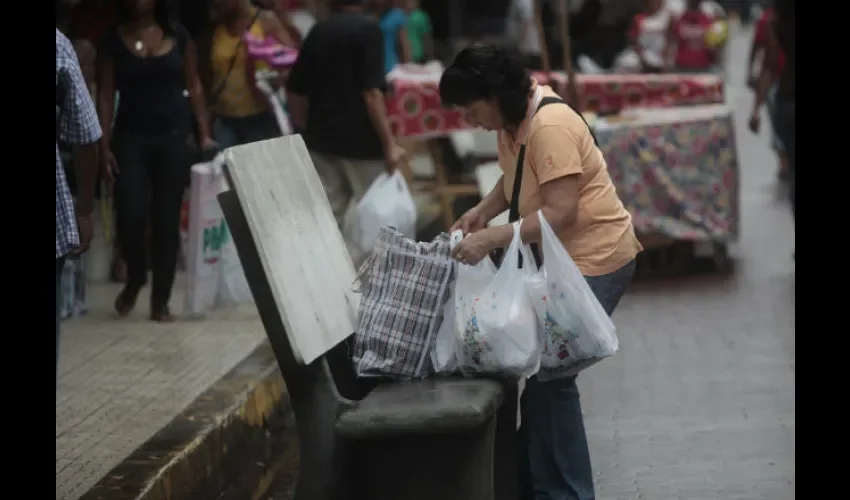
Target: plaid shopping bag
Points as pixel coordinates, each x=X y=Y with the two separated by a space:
x=404 y=286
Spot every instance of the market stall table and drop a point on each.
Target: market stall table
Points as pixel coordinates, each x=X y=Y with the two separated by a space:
x=416 y=112
x=676 y=170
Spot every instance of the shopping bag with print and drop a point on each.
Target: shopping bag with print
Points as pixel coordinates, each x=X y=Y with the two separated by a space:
x=497 y=325
x=576 y=331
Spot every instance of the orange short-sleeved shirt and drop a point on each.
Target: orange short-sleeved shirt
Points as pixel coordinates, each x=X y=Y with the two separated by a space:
x=559 y=144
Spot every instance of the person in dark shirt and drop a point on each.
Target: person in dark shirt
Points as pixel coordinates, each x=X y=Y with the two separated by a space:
x=781 y=41
x=151 y=62
x=336 y=95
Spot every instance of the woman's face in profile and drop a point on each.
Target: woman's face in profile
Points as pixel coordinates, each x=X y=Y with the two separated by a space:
x=484 y=114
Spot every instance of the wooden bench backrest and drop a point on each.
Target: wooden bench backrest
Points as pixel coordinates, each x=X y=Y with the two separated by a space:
x=299 y=244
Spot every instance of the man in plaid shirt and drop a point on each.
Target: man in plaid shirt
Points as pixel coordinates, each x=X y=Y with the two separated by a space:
x=77 y=125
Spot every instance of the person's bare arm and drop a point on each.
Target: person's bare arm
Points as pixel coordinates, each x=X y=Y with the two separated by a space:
x=768 y=69
x=299 y=106
x=79 y=127
x=105 y=78
x=273 y=26
x=298 y=84
x=376 y=106
x=405 y=51
x=196 y=92
x=554 y=156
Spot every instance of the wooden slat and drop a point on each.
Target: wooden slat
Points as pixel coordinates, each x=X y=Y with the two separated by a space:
x=300 y=246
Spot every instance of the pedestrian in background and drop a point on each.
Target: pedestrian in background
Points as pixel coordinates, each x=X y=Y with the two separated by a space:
x=419 y=33
x=152 y=62
x=336 y=92
x=392 y=21
x=78 y=126
x=759 y=48
x=780 y=41
x=242 y=112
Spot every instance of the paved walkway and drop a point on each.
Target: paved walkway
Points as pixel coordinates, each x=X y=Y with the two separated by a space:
x=699 y=404
x=122 y=380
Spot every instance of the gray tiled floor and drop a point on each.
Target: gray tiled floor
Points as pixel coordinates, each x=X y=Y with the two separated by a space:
x=121 y=380
x=699 y=404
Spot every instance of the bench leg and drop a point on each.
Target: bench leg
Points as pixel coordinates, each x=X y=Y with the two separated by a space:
x=457 y=466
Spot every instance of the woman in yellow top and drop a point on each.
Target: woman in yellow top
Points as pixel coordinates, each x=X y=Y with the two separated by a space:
x=242 y=113
x=563 y=174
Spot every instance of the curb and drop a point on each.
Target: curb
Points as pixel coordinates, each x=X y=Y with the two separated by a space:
x=206 y=448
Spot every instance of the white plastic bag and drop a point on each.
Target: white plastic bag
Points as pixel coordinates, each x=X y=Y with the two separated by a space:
x=387 y=202
x=214 y=273
x=576 y=331
x=233 y=287
x=498 y=328
x=443 y=356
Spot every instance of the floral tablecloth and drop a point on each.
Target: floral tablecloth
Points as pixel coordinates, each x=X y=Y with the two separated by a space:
x=677 y=171
x=415 y=110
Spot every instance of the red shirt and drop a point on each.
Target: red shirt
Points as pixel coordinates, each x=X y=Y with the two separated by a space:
x=689 y=34
x=764 y=24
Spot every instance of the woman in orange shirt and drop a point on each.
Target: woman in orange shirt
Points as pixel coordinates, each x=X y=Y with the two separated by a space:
x=548 y=156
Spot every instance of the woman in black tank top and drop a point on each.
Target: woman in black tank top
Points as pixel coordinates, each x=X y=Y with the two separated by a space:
x=150 y=62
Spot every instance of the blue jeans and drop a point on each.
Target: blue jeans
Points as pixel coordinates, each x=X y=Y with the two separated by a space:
x=554 y=457
x=60 y=264
x=231 y=131
x=786 y=118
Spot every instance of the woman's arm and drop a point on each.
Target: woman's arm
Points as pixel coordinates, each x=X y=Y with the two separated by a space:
x=404 y=50
x=274 y=27
x=556 y=159
x=494 y=202
x=196 y=92
x=559 y=204
x=768 y=69
x=105 y=81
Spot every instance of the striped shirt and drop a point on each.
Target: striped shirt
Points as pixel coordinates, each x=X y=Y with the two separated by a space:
x=77 y=125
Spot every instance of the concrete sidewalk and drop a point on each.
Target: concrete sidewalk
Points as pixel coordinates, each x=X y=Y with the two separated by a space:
x=123 y=379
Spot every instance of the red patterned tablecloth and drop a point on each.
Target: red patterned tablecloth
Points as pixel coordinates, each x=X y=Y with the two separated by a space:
x=416 y=112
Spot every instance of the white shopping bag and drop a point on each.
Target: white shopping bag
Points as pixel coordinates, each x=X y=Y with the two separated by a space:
x=233 y=287
x=387 y=202
x=443 y=356
x=498 y=328
x=576 y=331
x=214 y=273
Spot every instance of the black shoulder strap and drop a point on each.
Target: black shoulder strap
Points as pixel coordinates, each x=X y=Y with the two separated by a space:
x=513 y=214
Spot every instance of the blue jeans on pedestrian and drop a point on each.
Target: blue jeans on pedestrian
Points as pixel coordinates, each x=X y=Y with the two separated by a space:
x=229 y=131
x=60 y=264
x=554 y=458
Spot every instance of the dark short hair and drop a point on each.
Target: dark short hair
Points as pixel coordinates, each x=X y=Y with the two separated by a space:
x=488 y=72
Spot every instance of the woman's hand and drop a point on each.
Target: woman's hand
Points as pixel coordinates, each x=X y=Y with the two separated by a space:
x=109 y=167
x=474 y=248
x=207 y=144
x=472 y=221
